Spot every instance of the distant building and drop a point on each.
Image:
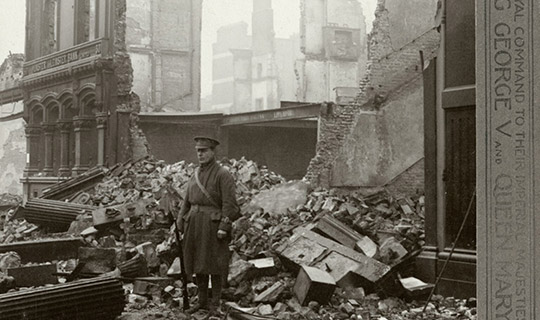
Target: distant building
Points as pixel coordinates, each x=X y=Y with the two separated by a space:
x=163 y=39
x=231 y=65
x=334 y=41
x=257 y=72
x=254 y=72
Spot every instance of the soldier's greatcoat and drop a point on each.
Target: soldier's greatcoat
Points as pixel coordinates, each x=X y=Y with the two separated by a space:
x=200 y=220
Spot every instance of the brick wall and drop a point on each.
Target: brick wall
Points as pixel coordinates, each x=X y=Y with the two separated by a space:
x=388 y=71
x=11 y=71
x=410 y=182
x=127 y=101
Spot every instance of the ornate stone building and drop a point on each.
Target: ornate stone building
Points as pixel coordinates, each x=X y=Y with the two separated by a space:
x=77 y=89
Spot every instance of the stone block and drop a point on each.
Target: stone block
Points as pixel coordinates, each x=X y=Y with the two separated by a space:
x=33 y=276
x=148 y=250
x=313 y=284
x=290 y=195
x=263 y=267
x=97 y=260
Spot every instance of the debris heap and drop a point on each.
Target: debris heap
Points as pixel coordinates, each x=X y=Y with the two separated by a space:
x=297 y=252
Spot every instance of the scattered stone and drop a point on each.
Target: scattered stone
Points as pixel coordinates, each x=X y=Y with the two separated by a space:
x=265 y=310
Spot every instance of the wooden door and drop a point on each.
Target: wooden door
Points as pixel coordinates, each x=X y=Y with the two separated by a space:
x=460 y=176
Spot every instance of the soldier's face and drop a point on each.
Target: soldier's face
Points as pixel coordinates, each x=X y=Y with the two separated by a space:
x=205 y=155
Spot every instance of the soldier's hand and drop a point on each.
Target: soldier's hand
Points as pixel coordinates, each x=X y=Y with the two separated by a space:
x=221 y=234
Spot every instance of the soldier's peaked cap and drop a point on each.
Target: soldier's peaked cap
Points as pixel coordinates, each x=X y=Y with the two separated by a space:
x=205 y=142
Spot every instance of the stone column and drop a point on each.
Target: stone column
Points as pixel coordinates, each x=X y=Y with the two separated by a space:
x=101 y=119
x=65 y=127
x=83 y=143
x=48 y=129
x=508 y=89
x=33 y=136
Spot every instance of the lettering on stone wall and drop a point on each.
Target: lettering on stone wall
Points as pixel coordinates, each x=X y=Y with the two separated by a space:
x=510 y=160
x=63 y=58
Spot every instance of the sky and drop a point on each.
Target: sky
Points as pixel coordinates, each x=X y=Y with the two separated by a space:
x=216 y=13
x=12 y=20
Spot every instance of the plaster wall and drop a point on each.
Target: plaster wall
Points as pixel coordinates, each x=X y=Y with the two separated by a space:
x=142 y=73
x=313 y=21
x=406 y=24
x=315 y=81
x=12 y=152
x=287 y=52
x=339 y=13
x=342 y=74
x=383 y=143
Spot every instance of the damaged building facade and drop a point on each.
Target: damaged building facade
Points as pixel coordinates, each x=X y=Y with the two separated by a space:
x=377 y=140
x=77 y=86
x=12 y=137
x=78 y=81
x=163 y=40
x=412 y=129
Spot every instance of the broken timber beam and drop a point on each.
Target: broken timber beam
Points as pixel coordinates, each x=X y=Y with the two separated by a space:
x=341 y=233
x=309 y=248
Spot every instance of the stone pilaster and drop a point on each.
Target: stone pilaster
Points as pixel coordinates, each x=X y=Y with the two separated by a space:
x=33 y=139
x=48 y=130
x=65 y=127
x=101 y=119
x=84 y=144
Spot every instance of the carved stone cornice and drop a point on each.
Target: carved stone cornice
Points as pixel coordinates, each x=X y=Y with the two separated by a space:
x=84 y=123
x=48 y=128
x=33 y=130
x=64 y=125
x=102 y=119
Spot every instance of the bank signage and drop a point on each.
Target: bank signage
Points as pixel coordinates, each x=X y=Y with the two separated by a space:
x=78 y=53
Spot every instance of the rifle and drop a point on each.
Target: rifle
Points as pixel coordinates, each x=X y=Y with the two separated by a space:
x=185 y=295
x=168 y=203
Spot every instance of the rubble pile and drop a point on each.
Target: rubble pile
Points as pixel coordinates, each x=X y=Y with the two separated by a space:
x=297 y=252
x=11 y=229
x=149 y=179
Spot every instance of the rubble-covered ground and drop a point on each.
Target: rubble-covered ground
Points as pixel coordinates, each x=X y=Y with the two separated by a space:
x=136 y=202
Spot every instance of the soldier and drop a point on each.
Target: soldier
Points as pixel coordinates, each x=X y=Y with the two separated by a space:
x=205 y=219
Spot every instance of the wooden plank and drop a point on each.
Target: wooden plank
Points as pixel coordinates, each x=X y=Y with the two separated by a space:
x=372 y=268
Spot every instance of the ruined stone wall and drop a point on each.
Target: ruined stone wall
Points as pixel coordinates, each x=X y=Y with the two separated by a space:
x=12 y=137
x=127 y=101
x=12 y=154
x=163 y=39
x=11 y=71
x=390 y=95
